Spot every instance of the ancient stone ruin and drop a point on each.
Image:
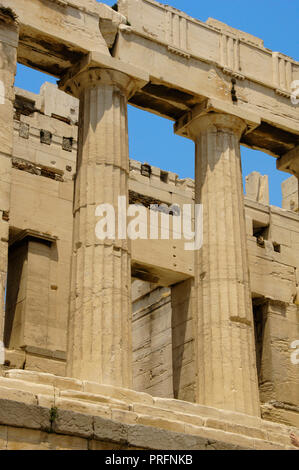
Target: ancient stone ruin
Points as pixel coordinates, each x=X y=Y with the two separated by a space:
x=142 y=344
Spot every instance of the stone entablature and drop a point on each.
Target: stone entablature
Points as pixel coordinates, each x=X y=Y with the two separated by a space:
x=220 y=43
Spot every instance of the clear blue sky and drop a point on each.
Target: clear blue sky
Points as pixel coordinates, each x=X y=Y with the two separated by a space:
x=152 y=139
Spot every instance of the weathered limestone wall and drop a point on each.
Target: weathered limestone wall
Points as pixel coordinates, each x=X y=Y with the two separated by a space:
x=279 y=378
x=152 y=339
x=272 y=237
x=163 y=341
x=161 y=187
x=257 y=187
x=43 y=165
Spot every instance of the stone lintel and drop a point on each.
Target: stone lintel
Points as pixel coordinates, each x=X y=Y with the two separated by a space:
x=289 y=162
x=212 y=105
x=98 y=60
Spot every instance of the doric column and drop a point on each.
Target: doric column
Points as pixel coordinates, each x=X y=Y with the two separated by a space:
x=226 y=364
x=9 y=36
x=99 y=330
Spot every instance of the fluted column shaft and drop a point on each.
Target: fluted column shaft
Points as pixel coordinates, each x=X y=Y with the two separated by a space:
x=99 y=329
x=226 y=368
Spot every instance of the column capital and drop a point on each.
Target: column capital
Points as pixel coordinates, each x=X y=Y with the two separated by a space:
x=216 y=122
x=216 y=115
x=98 y=69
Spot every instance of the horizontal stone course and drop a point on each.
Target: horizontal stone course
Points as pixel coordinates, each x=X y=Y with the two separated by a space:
x=118 y=393
x=17 y=395
x=169 y=414
x=81 y=425
x=205 y=411
x=26 y=386
x=13 y=413
x=77 y=424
